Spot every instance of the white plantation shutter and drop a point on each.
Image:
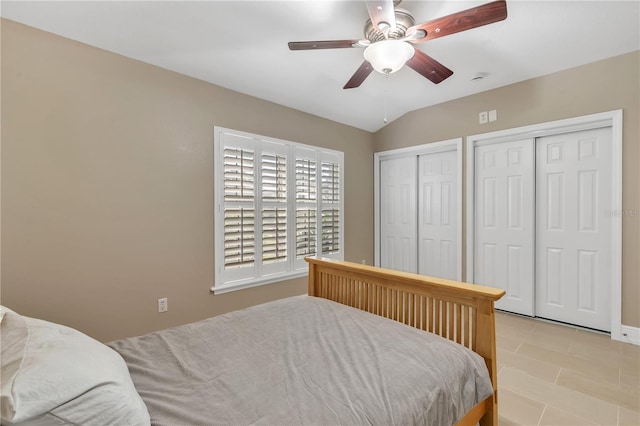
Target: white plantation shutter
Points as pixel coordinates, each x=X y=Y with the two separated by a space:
x=276 y=203
x=239 y=214
x=330 y=178
x=306 y=228
x=274 y=177
x=239 y=237
x=330 y=231
x=274 y=235
x=330 y=205
x=239 y=181
x=306 y=179
x=274 y=208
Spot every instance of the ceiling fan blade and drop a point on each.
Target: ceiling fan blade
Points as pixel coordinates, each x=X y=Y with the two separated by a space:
x=429 y=67
x=360 y=75
x=327 y=44
x=382 y=14
x=460 y=21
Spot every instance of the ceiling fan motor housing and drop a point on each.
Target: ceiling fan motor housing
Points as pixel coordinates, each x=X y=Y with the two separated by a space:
x=404 y=20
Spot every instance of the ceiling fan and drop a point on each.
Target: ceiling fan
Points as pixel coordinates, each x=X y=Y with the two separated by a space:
x=389 y=32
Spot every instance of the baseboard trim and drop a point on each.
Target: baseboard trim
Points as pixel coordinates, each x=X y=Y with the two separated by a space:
x=629 y=334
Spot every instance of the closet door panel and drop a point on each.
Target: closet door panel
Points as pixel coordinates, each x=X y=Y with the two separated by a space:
x=437 y=215
x=398 y=224
x=504 y=222
x=573 y=235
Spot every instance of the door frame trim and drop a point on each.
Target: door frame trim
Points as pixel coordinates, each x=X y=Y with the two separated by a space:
x=611 y=119
x=428 y=148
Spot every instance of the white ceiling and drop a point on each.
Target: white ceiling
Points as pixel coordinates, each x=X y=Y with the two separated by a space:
x=242 y=45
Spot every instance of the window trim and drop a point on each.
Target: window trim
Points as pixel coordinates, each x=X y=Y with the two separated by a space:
x=295 y=267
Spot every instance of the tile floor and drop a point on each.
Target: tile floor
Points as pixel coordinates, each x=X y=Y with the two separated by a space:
x=552 y=374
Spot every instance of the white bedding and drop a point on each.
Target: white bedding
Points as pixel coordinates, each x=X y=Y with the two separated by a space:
x=54 y=375
x=303 y=360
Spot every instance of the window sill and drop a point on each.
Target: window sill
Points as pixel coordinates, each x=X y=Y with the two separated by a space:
x=255 y=282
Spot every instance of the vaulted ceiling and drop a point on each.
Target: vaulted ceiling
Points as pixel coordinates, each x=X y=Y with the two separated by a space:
x=242 y=45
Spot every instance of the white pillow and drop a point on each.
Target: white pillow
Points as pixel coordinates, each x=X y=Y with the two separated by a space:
x=3 y=310
x=52 y=374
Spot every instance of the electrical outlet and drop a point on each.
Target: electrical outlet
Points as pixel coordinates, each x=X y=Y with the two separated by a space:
x=483 y=117
x=163 y=305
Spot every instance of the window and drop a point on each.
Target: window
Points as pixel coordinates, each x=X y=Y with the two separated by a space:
x=276 y=202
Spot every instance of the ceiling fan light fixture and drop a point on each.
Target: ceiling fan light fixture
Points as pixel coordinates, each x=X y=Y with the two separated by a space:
x=388 y=56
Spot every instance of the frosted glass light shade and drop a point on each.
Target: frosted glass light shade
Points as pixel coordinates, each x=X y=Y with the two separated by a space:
x=388 y=56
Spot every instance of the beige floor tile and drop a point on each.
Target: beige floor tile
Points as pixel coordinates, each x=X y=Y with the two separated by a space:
x=597 y=339
x=553 y=329
x=515 y=321
x=579 y=377
x=558 y=397
x=518 y=409
x=600 y=369
x=512 y=329
x=506 y=422
x=555 y=417
x=508 y=333
x=530 y=366
x=632 y=352
x=585 y=350
x=630 y=366
x=628 y=417
x=624 y=396
x=630 y=380
x=507 y=343
x=500 y=367
x=552 y=341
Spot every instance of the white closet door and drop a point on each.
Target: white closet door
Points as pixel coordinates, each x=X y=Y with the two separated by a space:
x=504 y=222
x=437 y=215
x=398 y=224
x=573 y=235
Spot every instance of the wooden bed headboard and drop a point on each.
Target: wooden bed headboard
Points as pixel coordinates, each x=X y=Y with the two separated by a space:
x=454 y=310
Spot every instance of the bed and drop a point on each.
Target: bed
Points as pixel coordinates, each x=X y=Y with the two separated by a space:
x=329 y=357
x=460 y=312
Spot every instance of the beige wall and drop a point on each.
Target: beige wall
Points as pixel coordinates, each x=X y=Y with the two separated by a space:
x=107 y=186
x=601 y=86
